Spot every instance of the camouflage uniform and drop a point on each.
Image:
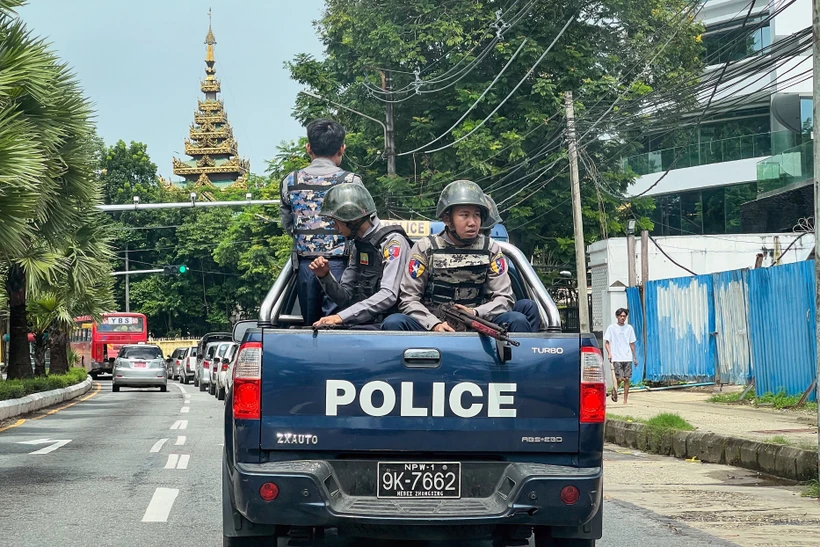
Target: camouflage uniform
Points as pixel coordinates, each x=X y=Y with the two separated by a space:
x=440 y=272
x=302 y=194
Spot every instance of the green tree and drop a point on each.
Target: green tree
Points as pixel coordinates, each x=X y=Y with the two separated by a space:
x=518 y=155
x=49 y=123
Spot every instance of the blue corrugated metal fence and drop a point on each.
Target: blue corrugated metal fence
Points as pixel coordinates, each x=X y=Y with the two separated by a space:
x=782 y=327
x=730 y=327
x=633 y=302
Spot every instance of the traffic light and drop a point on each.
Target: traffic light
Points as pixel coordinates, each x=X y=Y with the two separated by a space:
x=174 y=269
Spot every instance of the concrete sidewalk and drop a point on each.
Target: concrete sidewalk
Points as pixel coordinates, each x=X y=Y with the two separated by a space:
x=799 y=427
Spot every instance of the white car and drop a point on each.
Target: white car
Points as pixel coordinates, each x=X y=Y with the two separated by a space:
x=225 y=370
x=216 y=364
x=187 y=366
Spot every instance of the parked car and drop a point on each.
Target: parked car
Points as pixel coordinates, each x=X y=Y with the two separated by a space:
x=223 y=370
x=216 y=365
x=140 y=365
x=202 y=379
x=173 y=365
x=187 y=366
x=201 y=354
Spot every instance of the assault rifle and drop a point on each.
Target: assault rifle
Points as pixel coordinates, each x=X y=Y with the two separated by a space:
x=457 y=316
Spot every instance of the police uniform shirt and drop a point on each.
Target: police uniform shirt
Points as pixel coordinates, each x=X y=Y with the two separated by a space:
x=498 y=287
x=395 y=251
x=319 y=167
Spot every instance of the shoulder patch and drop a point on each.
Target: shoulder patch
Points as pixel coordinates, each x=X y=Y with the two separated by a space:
x=498 y=264
x=415 y=266
x=392 y=250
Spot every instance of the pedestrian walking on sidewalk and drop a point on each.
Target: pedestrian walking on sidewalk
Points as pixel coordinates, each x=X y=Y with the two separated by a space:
x=619 y=340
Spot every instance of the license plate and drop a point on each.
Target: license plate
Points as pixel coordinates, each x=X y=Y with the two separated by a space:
x=139 y=364
x=440 y=480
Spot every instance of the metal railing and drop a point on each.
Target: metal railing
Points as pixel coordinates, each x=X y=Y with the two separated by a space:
x=788 y=167
x=704 y=153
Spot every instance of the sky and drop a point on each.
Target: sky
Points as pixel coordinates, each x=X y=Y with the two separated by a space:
x=140 y=63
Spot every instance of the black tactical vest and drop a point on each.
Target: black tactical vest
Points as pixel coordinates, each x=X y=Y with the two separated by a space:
x=456 y=274
x=370 y=260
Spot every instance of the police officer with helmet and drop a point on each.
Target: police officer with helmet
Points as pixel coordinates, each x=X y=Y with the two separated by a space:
x=460 y=265
x=525 y=306
x=368 y=289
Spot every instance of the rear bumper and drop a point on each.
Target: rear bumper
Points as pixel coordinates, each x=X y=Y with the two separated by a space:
x=310 y=495
x=148 y=377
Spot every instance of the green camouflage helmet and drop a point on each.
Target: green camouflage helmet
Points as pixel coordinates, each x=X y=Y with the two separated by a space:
x=347 y=203
x=462 y=192
x=494 y=217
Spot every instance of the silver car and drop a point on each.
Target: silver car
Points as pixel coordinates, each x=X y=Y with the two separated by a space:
x=140 y=365
x=202 y=376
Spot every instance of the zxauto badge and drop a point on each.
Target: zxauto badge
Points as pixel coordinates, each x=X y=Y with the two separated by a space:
x=294 y=438
x=551 y=351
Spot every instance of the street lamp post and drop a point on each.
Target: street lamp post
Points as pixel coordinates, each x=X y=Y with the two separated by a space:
x=389 y=150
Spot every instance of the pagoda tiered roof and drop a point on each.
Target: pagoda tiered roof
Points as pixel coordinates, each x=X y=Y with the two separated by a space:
x=214 y=154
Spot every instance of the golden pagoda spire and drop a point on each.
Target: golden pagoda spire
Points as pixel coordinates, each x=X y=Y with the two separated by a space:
x=210 y=40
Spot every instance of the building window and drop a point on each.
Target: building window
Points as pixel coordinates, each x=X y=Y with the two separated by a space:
x=711 y=211
x=806 y=115
x=733 y=41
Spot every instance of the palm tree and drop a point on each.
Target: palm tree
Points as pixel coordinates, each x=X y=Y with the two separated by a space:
x=46 y=158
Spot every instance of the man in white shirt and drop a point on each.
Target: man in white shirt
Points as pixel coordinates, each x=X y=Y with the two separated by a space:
x=619 y=340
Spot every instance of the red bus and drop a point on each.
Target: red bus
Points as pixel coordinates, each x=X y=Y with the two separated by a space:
x=96 y=343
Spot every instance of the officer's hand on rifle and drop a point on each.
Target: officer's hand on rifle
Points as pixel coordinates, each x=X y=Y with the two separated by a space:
x=465 y=309
x=320 y=267
x=443 y=327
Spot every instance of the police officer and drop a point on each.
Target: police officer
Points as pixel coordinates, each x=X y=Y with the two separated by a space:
x=525 y=306
x=461 y=266
x=302 y=193
x=369 y=287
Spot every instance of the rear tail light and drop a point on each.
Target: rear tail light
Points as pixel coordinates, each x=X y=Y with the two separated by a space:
x=593 y=388
x=247 y=382
x=224 y=366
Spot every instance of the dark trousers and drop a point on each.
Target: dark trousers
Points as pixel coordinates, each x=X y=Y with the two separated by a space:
x=313 y=301
x=523 y=318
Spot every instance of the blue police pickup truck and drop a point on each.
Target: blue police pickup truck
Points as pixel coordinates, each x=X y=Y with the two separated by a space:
x=407 y=435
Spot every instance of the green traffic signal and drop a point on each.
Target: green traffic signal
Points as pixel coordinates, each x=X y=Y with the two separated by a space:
x=183 y=269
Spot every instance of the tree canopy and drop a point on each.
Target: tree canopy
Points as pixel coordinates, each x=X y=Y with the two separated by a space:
x=480 y=58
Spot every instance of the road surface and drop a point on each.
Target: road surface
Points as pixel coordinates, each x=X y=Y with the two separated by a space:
x=141 y=467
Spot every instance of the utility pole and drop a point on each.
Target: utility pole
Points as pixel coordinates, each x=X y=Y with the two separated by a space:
x=630 y=253
x=577 y=220
x=816 y=144
x=644 y=257
x=390 y=137
x=127 y=280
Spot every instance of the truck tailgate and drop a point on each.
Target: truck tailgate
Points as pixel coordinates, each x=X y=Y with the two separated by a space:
x=386 y=391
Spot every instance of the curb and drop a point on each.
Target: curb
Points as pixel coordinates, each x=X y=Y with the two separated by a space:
x=778 y=460
x=15 y=407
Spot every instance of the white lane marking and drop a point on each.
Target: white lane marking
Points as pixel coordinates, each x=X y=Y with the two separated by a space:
x=185 y=409
x=180 y=440
x=186 y=402
x=172 y=461
x=158 y=445
x=187 y=396
x=183 y=461
x=54 y=446
x=181 y=388
x=180 y=424
x=160 y=506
